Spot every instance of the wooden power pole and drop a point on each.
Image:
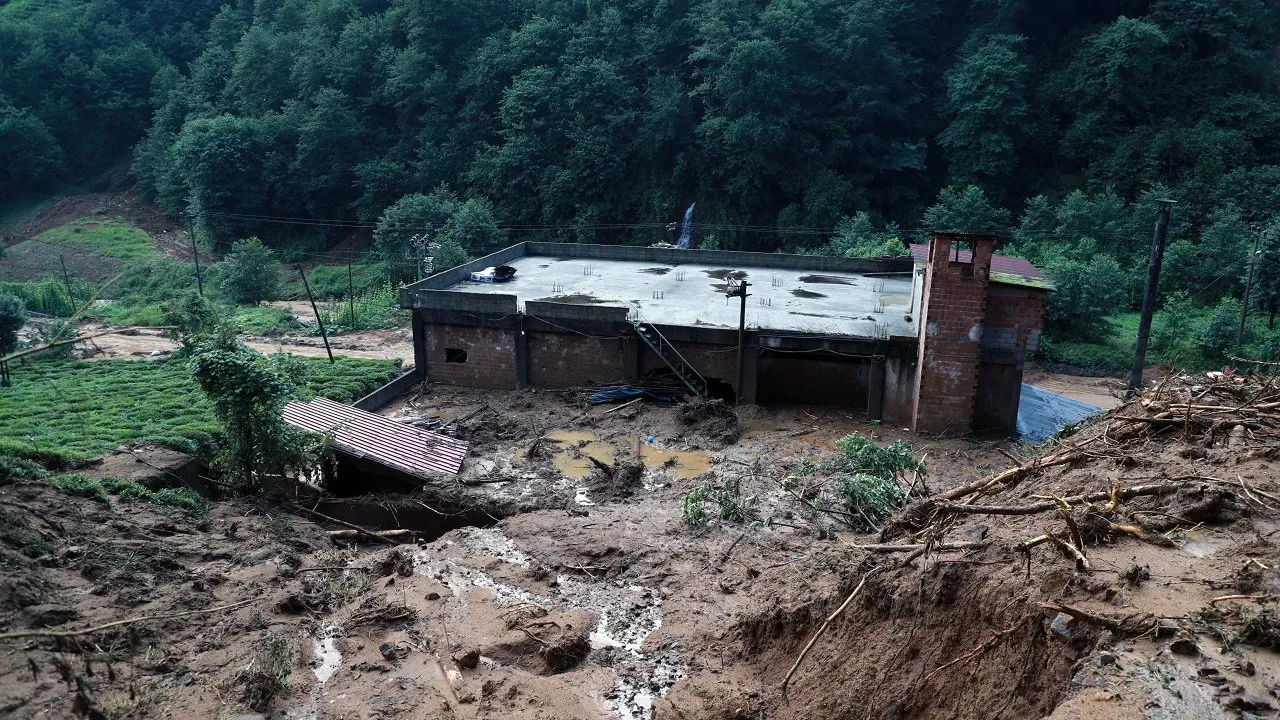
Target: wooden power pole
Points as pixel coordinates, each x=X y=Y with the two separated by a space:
x=1248 y=286
x=1149 y=297
x=315 y=310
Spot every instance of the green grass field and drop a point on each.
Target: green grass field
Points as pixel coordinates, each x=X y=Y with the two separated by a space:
x=86 y=408
x=108 y=238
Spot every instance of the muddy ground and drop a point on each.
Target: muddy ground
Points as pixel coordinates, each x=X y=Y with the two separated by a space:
x=153 y=344
x=579 y=591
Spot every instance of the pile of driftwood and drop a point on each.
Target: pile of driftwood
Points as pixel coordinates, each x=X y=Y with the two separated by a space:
x=1220 y=418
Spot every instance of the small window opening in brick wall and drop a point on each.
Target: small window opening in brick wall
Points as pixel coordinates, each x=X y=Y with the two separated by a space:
x=455 y=355
x=957 y=246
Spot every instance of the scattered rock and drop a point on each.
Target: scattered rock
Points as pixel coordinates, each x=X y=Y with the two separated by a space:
x=1063 y=626
x=433 y=596
x=389 y=652
x=1106 y=658
x=1184 y=646
x=1245 y=701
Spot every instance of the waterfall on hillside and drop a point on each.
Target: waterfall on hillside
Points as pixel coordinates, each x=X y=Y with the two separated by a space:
x=686 y=232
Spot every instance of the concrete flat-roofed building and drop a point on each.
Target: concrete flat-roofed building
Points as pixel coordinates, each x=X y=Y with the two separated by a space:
x=846 y=331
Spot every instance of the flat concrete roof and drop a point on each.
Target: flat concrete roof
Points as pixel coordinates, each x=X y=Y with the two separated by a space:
x=781 y=299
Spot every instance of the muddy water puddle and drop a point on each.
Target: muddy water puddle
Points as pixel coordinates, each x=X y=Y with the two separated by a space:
x=578 y=447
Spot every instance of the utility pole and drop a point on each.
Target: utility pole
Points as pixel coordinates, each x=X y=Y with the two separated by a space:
x=315 y=310
x=1248 y=286
x=739 y=290
x=67 y=279
x=1149 y=297
x=351 y=297
x=195 y=254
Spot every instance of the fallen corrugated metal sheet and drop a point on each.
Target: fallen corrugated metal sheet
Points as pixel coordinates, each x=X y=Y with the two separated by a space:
x=379 y=439
x=1041 y=413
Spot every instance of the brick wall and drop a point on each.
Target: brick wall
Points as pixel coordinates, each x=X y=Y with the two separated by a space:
x=954 y=305
x=558 y=360
x=491 y=356
x=711 y=361
x=1015 y=318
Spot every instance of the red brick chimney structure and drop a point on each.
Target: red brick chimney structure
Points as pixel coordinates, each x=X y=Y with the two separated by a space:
x=954 y=307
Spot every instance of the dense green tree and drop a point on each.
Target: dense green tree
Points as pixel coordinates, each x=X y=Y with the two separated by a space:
x=30 y=157
x=412 y=216
x=13 y=315
x=966 y=209
x=986 y=99
x=1086 y=292
x=250 y=273
x=248 y=392
x=859 y=236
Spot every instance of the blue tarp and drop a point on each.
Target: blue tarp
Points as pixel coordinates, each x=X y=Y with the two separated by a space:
x=625 y=393
x=1041 y=413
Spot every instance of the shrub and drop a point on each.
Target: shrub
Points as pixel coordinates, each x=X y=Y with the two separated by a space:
x=250 y=274
x=248 y=391
x=379 y=308
x=1086 y=293
x=80 y=485
x=726 y=496
x=268 y=674
x=868 y=499
x=16 y=468
x=860 y=454
x=264 y=320
x=330 y=281
x=48 y=297
x=13 y=315
x=1217 y=336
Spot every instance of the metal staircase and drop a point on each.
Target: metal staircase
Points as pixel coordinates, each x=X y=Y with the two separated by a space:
x=672 y=357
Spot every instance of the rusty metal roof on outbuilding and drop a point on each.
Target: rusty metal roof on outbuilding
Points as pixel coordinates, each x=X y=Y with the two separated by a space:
x=1005 y=269
x=379 y=439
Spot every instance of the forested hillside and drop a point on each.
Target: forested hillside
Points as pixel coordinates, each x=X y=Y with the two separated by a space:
x=1054 y=125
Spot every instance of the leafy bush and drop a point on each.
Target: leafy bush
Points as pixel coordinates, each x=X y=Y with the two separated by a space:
x=726 y=496
x=132 y=491
x=80 y=485
x=866 y=487
x=250 y=273
x=1087 y=291
x=1217 y=336
x=16 y=468
x=330 y=281
x=379 y=308
x=48 y=297
x=858 y=237
x=13 y=315
x=868 y=499
x=860 y=454
x=248 y=391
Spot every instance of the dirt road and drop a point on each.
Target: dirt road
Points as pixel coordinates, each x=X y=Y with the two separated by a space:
x=143 y=343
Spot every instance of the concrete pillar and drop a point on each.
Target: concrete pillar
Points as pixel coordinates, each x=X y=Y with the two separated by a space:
x=953 y=308
x=750 y=374
x=631 y=359
x=875 y=390
x=419 y=346
x=521 y=345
